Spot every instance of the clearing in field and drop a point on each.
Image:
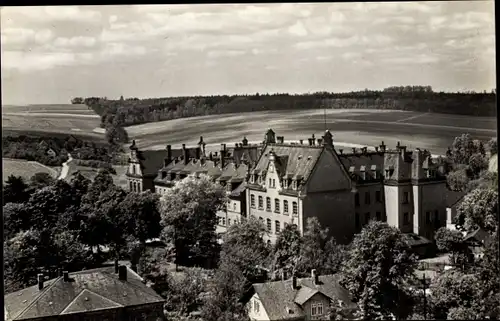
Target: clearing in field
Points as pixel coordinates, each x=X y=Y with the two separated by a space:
x=25 y=169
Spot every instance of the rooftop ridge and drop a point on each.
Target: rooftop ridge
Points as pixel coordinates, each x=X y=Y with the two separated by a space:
x=37 y=297
x=80 y=294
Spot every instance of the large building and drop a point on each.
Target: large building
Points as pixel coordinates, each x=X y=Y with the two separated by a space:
x=284 y=183
x=97 y=294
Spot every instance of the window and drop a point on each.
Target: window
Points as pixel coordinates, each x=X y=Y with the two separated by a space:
x=427 y=217
x=131 y=186
x=270 y=183
x=285 y=183
x=269 y=226
x=133 y=169
x=356 y=199
x=294 y=208
x=228 y=222
x=219 y=220
x=378 y=196
x=277 y=227
x=357 y=220
x=285 y=207
x=135 y=186
x=274 y=182
x=268 y=204
x=367 y=198
x=375 y=173
x=252 y=179
x=367 y=217
x=276 y=205
x=252 y=201
x=316 y=309
x=294 y=184
x=256 y=306
x=379 y=216
x=223 y=221
x=405 y=198
x=406 y=218
x=234 y=206
x=261 y=202
x=261 y=220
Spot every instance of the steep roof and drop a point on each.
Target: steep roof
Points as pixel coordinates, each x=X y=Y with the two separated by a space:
x=281 y=301
x=452 y=198
x=355 y=163
x=297 y=160
x=249 y=154
x=87 y=291
x=151 y=161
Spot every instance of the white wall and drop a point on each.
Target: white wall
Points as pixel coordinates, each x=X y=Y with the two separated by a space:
x=261 y=315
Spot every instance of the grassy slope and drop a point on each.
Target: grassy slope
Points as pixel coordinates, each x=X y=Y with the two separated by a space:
x=25 y=169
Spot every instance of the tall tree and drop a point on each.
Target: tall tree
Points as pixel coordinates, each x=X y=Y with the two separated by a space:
x=286 y=251
x=478 y=209
x=41 y=180
x=16 y=218
x=377 y=273
x=15 y=190
x=452 y=242
x=189 y=218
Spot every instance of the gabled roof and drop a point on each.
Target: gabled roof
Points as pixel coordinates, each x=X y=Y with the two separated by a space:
x=280 y=299
x=249 y=154
x=299 y=161
x=87 y=291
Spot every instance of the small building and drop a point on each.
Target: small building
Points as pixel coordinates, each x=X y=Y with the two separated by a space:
x=111 y=293
x=298 y=299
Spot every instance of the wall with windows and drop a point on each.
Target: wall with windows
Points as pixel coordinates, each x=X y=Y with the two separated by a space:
x=316 y=307
x=135 y=185
x=399 y=206
x=429 y=208
x=256 y=309
x=276 y=216
x=369 y=204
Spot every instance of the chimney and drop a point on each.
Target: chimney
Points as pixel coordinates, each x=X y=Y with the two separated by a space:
x=376 y=149
x=341 y=151
x=382 y=146
x=320 y=141
x=222 y=154
x=40 y=281
x=116 y=266
x=281 y=139
x=310 y=141
x=364 y=149
x=169 y=154
x=398 y=144
x=354 y=150
x=294 y=282
x=210 y=156
x=301 y=141
x=313 y=139
x=314 y=276
x=122 y=273
x=185 y=153
x=66 y=276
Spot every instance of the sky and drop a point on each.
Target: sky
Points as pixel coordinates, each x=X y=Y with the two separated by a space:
x=51 y=54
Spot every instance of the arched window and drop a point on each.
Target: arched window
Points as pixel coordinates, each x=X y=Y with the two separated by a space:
x=252 y=201
x=285 y=207
x=276 y=205
x=261 y=202
x=295 y=208
x=135 y=186
x=269 y=225
x=268 y=204
x=131 y=186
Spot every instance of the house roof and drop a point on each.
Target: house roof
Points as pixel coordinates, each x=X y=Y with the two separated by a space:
x=297 y=160
x=281 y=301
x=246 y=154
x=151 y=160
x=452 y=198
x=87 y=291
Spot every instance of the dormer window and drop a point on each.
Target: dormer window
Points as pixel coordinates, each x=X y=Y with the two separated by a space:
x=363 y=173
x=294 y=184
x=133 y=169
x=285 y=183
x=252 y=178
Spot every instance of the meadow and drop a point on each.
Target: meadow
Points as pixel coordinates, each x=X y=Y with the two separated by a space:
x=119 y=179
x=68 y=119
x=351 y=128
x=25 y=169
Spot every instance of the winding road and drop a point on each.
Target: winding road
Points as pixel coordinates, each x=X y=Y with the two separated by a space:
x=65 y=168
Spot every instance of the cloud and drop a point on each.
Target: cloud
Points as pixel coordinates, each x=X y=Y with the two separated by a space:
x=298 y=29
x=221 y=54
x=79 y=41
x=59 y=13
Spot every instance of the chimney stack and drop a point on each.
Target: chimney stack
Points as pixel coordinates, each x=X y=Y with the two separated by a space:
x=354 y=150
x=376 y=149
x=281 y=139
x=314 y=276
x=301 y=141
x=122 y=273
x=313 y=140
x=169 y=154
x=398 y=144
x=320 y=141
x=66 y=276
x=40 y=281
x=294 y=282
x=341 y=151
x=222 y=155
x=185 y=153
x=310 y=141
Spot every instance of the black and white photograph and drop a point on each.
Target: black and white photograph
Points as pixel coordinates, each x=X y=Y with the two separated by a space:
x=250 y=161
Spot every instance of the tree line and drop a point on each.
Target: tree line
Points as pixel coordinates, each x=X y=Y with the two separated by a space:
x=35 y=147
x=132 y=111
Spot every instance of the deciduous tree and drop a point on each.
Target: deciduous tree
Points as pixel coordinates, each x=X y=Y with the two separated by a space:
x=377 y=273
x=15 y=190
x=286 y=251
x=478 y=210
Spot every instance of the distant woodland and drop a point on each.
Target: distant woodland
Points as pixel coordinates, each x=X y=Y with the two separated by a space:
x=36 y=148
x=116 y=114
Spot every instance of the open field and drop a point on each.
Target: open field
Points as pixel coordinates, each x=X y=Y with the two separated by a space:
x=25 y=169
x=434 y=132
x=69 y=119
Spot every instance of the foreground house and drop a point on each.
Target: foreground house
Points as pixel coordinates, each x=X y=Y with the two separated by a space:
x=297 y=299
x=97 y=294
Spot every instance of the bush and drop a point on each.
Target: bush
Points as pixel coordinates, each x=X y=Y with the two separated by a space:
x=95 y=164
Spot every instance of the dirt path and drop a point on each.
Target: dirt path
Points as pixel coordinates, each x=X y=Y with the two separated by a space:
x=65 y=168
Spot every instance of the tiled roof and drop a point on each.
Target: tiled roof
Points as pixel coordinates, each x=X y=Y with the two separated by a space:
x=300 y=159
x=87 y=291
x=246 y=154
x=279 y=298
x=370 y=161
x=238 y=190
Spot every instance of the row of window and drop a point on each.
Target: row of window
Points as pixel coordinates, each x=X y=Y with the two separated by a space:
x=269 y=225
x=367 y=217
x=272 y=182
x=222 y=221
x=378 y=198
x=276 y=205
x=135 y=186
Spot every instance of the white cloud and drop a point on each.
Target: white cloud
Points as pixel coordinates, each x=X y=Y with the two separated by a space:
x=59 y=13
x=228 y=53
x=79 y=41
x=298 y=29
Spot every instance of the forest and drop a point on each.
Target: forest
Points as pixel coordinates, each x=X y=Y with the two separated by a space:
x=131 y=111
